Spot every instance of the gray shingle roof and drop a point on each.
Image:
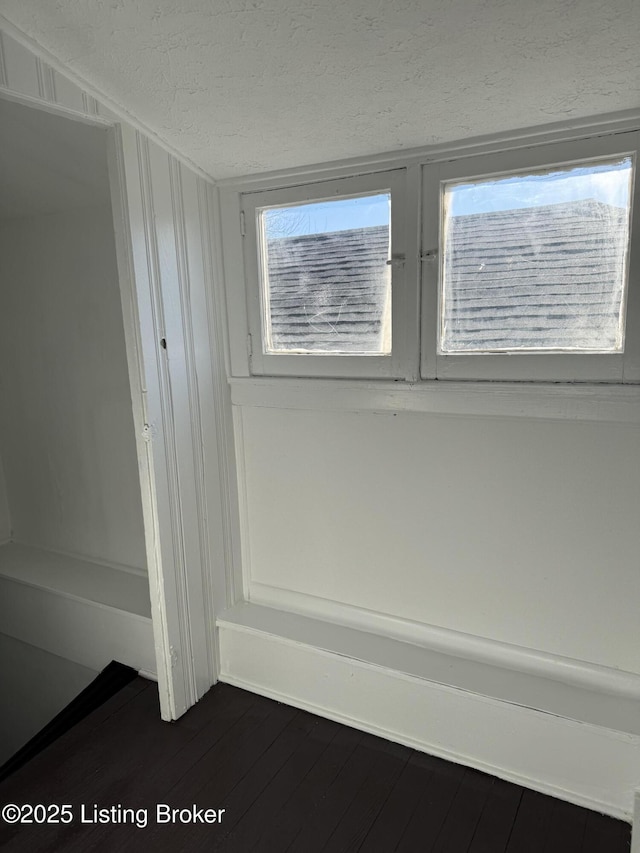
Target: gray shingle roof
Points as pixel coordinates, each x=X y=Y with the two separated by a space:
x=528 y=278
x=536 y=277
x=329 y=291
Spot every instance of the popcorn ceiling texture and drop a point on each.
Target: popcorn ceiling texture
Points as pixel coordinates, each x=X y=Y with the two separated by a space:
x=243 y=86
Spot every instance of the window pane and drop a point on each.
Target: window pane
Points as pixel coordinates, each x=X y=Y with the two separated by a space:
x=326 y=283
x=537 y=261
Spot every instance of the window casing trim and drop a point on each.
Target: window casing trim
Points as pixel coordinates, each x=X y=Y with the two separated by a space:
x=575 y=402
x=404 y=343
x=527 y=366
x=610 y=135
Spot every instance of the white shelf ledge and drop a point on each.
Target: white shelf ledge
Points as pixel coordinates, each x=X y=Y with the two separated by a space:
x=75 y=608
x=76 y=578
x=546 y=401
x=583 y=704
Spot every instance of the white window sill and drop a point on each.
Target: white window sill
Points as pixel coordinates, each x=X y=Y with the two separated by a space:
x=546 y=401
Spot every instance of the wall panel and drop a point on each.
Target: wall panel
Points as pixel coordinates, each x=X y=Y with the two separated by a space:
x=518 y=530
x=66 y=422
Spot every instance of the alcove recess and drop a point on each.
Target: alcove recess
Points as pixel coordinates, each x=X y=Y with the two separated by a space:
x=73 y=576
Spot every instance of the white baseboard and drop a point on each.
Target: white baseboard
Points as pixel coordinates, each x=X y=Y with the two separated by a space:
x=75 y=626
x=587 y=764
x=480 y=650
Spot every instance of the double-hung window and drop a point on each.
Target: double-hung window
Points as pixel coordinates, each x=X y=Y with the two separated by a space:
x=326 y=266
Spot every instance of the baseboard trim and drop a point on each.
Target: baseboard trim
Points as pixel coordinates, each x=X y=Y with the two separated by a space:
x=590 y=765
x=148 y=676
x=87 y=632
x=578 y=673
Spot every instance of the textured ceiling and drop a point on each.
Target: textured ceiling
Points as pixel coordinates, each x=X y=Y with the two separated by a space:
x=241 y=86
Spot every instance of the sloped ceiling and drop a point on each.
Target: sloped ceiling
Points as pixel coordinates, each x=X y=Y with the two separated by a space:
x=242 y=86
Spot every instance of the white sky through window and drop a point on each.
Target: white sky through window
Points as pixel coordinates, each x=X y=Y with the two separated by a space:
x=324 y=217
x=605 y=182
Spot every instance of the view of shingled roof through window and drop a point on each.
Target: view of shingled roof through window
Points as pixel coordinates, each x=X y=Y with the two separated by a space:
x=546 y=277
x=549 y=277
x=331 y=292
x=518 y=273
x=536 y=261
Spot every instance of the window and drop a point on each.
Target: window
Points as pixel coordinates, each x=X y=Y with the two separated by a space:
x=536 y=262
x=514 y=264
x=533 y=264
x=325 y=267
x=325 y=276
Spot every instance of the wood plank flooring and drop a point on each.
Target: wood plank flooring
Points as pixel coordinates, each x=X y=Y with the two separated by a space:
x=289 y=782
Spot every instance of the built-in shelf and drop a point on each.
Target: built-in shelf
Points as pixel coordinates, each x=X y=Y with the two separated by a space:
x=80 y=609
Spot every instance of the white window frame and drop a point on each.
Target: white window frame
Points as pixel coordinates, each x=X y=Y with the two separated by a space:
x=402 y=362
x=526 y=366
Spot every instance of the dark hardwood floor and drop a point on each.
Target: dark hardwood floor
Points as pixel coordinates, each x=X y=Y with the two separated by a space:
x=287 y=781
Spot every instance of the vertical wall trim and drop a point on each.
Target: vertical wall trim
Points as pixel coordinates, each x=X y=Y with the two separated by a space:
x=89 y=105
x=46 y=85
x=41 y=86
x=243 y=502
x=3 y=64
x=412 y=268
x=197 y=443
x=635 y=831
x=127 y=197
x=222 y=395
x=156 y=277
x=182 y=657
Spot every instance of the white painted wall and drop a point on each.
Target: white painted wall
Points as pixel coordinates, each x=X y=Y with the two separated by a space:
x=66 y=425
x=519 y=530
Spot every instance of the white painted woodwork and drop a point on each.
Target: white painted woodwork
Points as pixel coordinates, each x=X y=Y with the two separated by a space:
x=66 y=425
x=36 y=686
x=596 y=695
x=83 y=611
x=541 y=366
x=77 y=629
x=181 y=402
x=110 y=585
x=522 y=531
x=430 y=520
x=168 y=221
x=635 y=834
x=403 y=359
x=416 y=223
x=534 y=401
x=582 y=762
x=5 y=515
x=479 y=538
